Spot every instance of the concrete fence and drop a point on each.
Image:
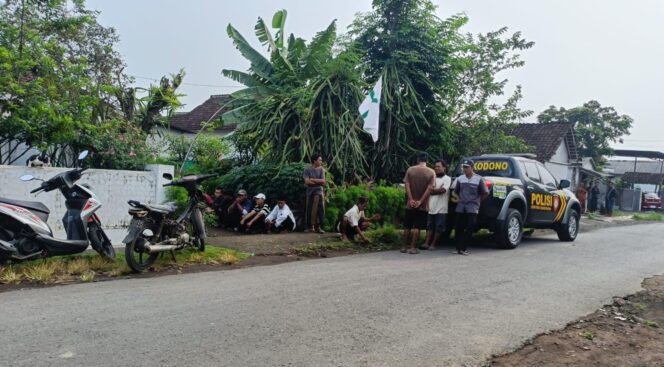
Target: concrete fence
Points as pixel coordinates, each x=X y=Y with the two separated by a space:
x=113 y=188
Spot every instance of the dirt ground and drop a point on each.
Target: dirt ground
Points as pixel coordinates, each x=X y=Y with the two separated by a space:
x=628 y=332
x=284 y=244
x=265 y=244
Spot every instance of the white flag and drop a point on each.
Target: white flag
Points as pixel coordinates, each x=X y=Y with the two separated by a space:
x=370 y=110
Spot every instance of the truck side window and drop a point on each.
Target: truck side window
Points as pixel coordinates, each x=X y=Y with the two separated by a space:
x=547 y=177
x=531 y=171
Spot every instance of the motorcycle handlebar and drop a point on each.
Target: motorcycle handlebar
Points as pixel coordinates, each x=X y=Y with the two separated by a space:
x=41 y=187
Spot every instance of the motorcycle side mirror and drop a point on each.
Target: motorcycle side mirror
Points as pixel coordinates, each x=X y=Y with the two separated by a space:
x=27 y=178
x=167 y=176
x=83 y=155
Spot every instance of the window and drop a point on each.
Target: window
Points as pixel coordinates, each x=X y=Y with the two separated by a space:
x=493 y=167
x=547 y=177
x=531 y=171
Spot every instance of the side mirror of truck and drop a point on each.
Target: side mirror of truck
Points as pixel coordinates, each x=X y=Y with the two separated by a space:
x=167 y=176
x=564 y=184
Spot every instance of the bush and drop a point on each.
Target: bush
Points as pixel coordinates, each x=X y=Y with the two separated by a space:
x=388 y=201
x=178 y=195
x=269 y=179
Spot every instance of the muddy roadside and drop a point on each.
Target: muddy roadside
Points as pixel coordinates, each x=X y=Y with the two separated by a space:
x=628 y=332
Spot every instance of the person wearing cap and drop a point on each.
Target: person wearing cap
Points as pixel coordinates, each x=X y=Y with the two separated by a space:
x=255 y=220
x=238 y=210
x=281 y=218
x=471 y=190
x=419 y=181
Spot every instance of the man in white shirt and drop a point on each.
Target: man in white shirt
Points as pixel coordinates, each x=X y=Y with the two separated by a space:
x=355 y=222
x=281 y=218
x=438 y=205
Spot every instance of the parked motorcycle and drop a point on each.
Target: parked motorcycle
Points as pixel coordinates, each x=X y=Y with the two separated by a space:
x=25 y=235
x=154 y=228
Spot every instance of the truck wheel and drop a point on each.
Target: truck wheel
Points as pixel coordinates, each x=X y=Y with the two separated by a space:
x=568 y=232
x=511 y=233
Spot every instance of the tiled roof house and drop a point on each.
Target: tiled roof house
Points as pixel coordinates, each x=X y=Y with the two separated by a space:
x=191 y=122
x=555 y=146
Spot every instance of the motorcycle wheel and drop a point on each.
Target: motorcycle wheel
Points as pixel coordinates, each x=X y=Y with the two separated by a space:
x=100 y=242
x=198 y=229
x=138 y=260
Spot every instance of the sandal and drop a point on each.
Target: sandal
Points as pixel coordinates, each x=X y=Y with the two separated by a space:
x=414 y=252
x=431 y=248
x=403 y=250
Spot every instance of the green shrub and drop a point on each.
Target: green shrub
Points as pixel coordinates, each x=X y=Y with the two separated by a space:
x=386 y=237
x=387 y=201
x=269 y=179
x=179 y=196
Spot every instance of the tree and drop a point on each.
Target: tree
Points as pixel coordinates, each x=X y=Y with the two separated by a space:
x=299 y=101
x=596 y=126
x=438 y=83
x=63 y=89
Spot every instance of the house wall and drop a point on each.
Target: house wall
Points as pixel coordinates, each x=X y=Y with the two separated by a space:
x=113 y=189
x=560 y=168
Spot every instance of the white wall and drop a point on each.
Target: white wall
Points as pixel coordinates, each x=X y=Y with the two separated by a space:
x=561 y=155
x=113 y=189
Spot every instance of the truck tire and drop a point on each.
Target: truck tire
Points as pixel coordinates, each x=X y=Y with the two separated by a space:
x=568 y=232
x=511 y=233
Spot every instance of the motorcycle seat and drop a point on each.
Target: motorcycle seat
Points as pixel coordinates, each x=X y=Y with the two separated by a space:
x=39 y=209
x=164 y=209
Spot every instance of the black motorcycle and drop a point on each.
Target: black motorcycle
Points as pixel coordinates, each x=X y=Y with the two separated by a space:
x=25 y=235
x=154 y=228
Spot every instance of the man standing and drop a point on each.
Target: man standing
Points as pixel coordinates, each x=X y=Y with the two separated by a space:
x=582 y=195
x=611 y=195
x=471 y=190
x=314 y=179
x=419 y=181
x=438 y=201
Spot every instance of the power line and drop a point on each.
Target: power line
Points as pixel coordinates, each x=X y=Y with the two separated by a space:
x=192 y=84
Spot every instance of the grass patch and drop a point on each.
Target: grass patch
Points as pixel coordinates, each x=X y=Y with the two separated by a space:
x=652 y=324
x=386 y=238
x=591 y=215
x=587 y=334
x=649 y=216
x=639 y=307
x=619 y=213
x=9 y=276
x=88 y=276
x=88 y=267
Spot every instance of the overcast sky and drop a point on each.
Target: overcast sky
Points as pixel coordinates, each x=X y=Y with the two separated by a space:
x=608 y=50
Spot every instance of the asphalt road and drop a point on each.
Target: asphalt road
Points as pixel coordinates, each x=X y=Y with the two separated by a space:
x=382 y=309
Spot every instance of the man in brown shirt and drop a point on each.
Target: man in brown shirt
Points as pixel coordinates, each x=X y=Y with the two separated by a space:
x=419 y=181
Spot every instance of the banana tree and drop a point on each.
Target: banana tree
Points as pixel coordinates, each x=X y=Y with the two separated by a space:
x=302 y=99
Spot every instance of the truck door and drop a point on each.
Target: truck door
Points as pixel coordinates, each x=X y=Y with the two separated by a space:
x=540 y=200
x=551 y=185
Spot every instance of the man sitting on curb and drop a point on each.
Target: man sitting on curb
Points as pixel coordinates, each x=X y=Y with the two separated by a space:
x=281 y=218
x=354 y=221
x=238 y=210
x=255 y=220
